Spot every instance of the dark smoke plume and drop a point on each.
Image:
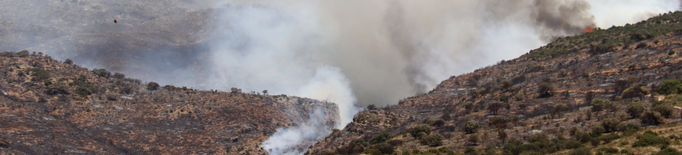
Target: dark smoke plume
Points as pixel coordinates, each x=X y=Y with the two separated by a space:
x=351 y=52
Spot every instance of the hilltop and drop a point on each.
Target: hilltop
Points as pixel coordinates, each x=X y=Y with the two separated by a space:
x=595 y=92
x=53 y=107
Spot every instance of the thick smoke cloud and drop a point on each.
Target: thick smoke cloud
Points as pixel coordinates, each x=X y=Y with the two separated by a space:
x=387 y=50
x=351 y=52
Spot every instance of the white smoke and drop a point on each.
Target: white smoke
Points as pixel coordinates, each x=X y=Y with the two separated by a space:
x=331 y=85
x=295 y=140
x=379 y=51
x=351 y=52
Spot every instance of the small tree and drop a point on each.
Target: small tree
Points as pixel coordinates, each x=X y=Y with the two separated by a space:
x=498 y=122
x=152 y=86
x=385 y=148
x=635 y=109
x=265 y=92
x=599 y=104
x=434 y=139
x=670 y=87
x=371 y=107
x=438 y=122
x=504 y=85
x=469 y=105
x=493 y=107
x=610 y=124
x=523 y=106
x=501 y=134
x=560 y=108
x=420 y=128
x=471 y=126
x=636 y=90
x=519 y=96
x=473 y=139
x=666 y=109
x=102 y=72
x=652 y=118
x=383 y=136
x=562 y=73
x=119 y=76
x=545 y=89
x=68 y=61
x=235 y=90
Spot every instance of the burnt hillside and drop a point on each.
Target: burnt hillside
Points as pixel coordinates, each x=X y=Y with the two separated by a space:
x=53 y=107
x=558 y=99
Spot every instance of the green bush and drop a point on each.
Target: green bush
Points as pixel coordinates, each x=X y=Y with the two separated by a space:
x=102 y=72
x=610 y=124
x=636 y=90
x=513 y=147
x=490 y=149
x=469 y=105
x=68 y=61
x=373 y=152
x=609 y=150
x=665 y=109
x=438 y=122
x=572 y=144
x=652 y=118
x=112 y=97
x=83 y=86
x=670 y=87
x=433 y=139
x=495 y=106
x=473 y=139
x=562 y=73
x=470 y=151
x=609 y=137
x=360 y=142
x=54 y=89
x=635 y=109
x=628 y=126
x=650 y=138
x=422 y=128
x=22 y=53
x=383 y=136
x=598 y=129
x=152 y=86
x=668 y=151
x=583 y=137
x=498 y=122
x=581 y=151
x=471 y=126
x=40 y=74
x=545 y=88
x=599 y=104
x=385 y=148
x=119 y=76
x=519 y=96
x=395 y=142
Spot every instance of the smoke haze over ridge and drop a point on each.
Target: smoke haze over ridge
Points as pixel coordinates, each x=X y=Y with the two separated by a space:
x=349 y=52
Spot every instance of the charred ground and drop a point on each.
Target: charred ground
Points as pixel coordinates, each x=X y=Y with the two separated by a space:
x=53 y=107
x=589 y=93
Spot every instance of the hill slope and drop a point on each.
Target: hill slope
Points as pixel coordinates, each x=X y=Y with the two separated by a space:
x=50 y=107
x=545 y=99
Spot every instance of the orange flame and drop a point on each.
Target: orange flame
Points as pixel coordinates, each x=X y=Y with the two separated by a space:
x=589 y=30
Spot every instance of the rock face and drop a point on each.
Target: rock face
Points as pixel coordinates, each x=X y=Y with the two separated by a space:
x=505 y=98
x=49 y=107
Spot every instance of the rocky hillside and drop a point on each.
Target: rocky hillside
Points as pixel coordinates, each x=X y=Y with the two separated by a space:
x=53 y=107
x=593 y=93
